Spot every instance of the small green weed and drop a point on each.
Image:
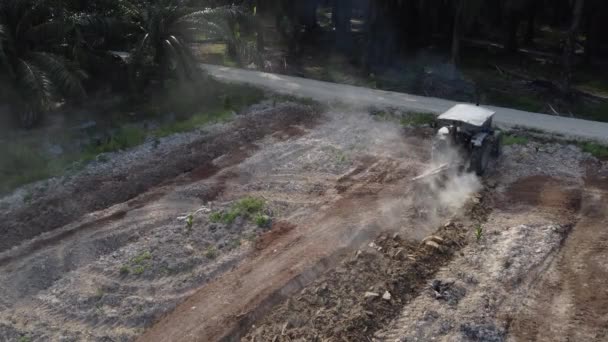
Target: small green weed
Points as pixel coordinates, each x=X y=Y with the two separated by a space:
x=137 y=270
x=216 y=217
x=24 y=339
x=231 y=215
x=478 y=232
x=124 y=269
x=142 y=257
x=341 y=157
x=126 y=137
x=597 y=150
x=234 y=243
x=189 y=221
x=211 y=252
x=509 y=140
x=261 y=220
x=418 y=119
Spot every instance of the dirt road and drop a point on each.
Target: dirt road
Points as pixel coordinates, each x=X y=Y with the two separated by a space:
x=331 y=92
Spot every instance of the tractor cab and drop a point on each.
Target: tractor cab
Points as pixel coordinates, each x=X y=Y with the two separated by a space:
x=466 y=132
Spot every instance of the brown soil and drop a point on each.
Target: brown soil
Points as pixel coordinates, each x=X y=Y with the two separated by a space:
x=278 y=229
x=347 y=303
x=349 y=228
x=246 y=290
x=543 y=191
x=570 y=302
x=84 y=194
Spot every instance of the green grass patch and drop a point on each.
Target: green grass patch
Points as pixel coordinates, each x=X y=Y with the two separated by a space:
x=140 y=269
x=22 y=164
x=137 y=265
x=124 y=138
x=596 y=112
x=418 y=119
x=247 y=207
x=124 y=269
x=509 y=140
x=141 y=258
x=250 y=205
x=261 y=220
x=194 y=122
x=597 y=150
x=527 y=103
x=26 y=159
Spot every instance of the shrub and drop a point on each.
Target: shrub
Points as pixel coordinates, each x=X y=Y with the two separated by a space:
x=142 y=257
x=597 y=150
x=211 y=252
x=418 y=119
x=261 y=220
x=514 y=140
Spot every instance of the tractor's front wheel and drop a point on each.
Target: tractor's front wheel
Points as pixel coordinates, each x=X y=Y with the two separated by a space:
x=480 y=158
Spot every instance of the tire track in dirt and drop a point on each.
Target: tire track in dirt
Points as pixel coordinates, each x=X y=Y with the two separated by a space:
x=570 y=300
x=472 y=298
x=81 y=292
x=73 y=262
x=292 y=259
x=98 y=188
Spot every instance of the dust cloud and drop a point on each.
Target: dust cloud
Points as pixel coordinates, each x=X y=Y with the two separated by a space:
x=415 y=207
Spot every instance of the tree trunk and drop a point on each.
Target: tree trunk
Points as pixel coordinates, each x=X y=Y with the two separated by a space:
x=531 y=28
x=259 y=27
x=513 y=20
x=342 y=14
x=569 y=47
x=457 y=32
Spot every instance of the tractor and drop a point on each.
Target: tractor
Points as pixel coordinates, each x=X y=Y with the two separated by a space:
x=466 y=139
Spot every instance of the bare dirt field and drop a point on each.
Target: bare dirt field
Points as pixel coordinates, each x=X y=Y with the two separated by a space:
x=300 y=224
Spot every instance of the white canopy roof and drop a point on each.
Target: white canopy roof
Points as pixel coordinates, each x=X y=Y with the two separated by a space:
x=472 y=115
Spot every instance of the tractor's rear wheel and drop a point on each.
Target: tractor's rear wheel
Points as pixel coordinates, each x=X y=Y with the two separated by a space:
x=497 y=146
x=480 y=158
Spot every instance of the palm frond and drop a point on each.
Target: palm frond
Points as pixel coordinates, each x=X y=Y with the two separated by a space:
x=184 y=57
x=64 y=77
x=221 y=12
x=35 y=84
x=47 y=32
x=213 y=23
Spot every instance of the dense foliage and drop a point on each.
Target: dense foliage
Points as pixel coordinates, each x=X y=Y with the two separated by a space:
x=48 y=48
x=54 y=51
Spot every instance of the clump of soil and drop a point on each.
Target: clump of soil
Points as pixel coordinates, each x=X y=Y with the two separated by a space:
x=363 y=293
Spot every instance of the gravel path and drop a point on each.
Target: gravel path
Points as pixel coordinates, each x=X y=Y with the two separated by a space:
x=326 y=91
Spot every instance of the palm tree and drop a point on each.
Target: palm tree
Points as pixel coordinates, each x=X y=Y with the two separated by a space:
x=167 y=28
x=33 y=66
